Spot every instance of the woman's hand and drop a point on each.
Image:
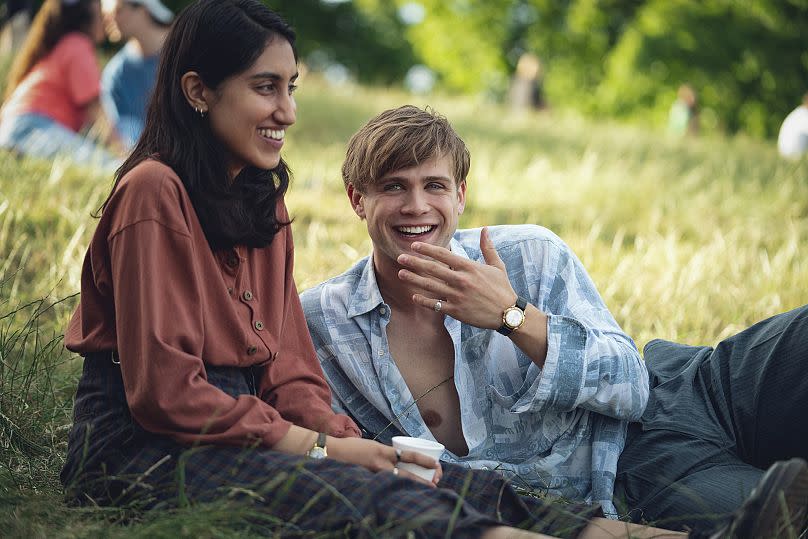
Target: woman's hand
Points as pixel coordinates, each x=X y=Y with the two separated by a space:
x=378 y=457
x=372 y=455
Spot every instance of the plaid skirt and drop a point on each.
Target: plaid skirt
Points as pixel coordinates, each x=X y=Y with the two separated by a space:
x=111 y=460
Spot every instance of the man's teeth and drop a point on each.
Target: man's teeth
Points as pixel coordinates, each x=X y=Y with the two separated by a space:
x=414 y=229
x=276 y=134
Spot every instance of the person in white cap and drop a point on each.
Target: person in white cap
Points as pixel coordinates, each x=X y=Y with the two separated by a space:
x=128 y=78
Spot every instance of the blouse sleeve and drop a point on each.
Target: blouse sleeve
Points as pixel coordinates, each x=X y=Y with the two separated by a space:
x=299 y=389
x=159 y=324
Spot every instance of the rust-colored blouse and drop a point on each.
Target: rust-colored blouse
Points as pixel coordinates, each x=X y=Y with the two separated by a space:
x=152 y=288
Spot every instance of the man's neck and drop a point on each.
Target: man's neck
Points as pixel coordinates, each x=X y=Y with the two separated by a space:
x=396 y=293
x=149 y=41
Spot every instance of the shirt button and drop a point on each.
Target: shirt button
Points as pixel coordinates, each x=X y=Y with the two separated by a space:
x=252 y=350
x=247 y=295
x=229 y=289
x=381 y=352
x=382 y=311
x=258 y=325
x=232 y=261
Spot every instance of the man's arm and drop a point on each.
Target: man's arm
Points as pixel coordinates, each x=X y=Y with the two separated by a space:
x=474 y=293
x=582 y=357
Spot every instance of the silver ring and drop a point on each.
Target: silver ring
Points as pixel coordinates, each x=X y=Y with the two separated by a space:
x=398 y=456
x=438 y=306
x=395 y=470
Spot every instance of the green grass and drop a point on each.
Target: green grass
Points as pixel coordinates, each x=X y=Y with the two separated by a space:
x=686 y=239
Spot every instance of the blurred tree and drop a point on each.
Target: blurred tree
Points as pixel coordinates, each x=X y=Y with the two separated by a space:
x=468 y=56
x=365 y=36
x=746 y=60
x=574 y=38
x=571 y=37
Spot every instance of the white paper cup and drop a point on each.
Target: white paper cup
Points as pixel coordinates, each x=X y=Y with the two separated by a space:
x=419 y=445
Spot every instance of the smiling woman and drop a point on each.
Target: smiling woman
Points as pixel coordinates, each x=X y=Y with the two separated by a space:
x=249 y=112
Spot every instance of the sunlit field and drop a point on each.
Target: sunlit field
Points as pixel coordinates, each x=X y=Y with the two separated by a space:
x=689 y=240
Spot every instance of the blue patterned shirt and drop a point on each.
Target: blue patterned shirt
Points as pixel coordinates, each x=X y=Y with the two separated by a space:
x=560 y=428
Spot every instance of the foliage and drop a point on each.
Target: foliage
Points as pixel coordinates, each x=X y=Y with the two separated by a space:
x=368 y=41
x=468 y=57
x=747 y=60
x=366 y=37
x=747 y=78
x=609 y=58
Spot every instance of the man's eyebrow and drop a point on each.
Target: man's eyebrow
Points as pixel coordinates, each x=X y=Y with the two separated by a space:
x=393 y=177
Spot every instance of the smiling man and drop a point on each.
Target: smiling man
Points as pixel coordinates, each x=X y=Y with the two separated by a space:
x=496 y=343
x=407 y=337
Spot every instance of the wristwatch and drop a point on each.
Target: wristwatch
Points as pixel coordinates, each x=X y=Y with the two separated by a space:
x=513 y=317
x=318 y=449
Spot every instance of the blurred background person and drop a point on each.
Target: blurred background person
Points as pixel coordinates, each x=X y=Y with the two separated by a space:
x=16 y=18
x=792 y=142
x=683 y=117
x=128 y=78
x=526 y=85
x=54 y=85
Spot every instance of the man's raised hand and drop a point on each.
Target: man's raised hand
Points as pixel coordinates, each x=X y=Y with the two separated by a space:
x=468 y=291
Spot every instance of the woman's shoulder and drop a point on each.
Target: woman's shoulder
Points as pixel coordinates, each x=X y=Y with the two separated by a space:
x=150 y=177
x=150 y=191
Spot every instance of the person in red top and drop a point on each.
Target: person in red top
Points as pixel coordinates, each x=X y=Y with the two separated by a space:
x=54 y=85
x=200 y=379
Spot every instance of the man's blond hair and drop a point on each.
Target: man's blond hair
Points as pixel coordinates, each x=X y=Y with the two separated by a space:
x=402 y=138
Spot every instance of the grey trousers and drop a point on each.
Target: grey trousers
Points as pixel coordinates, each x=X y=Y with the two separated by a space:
x=716 y=419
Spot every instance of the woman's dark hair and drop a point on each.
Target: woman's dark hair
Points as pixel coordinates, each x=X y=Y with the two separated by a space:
x=54 y=20
x=217 y=39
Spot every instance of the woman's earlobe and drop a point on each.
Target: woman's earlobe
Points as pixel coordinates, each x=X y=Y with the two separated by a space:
x=194 y=91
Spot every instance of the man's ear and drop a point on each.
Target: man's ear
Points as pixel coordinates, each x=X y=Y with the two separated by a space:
x=195 y=91
x=357 y=200
x=461 y=197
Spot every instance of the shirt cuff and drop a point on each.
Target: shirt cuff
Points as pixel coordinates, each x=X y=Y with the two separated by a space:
x=561 y=379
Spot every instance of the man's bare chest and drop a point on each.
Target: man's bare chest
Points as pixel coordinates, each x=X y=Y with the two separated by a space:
x=424 y=355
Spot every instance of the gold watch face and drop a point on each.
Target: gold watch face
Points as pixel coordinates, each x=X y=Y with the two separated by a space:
x=513 y=317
